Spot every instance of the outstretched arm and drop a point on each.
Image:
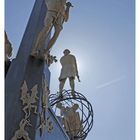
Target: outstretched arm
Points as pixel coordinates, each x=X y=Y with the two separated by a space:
x=68 y=5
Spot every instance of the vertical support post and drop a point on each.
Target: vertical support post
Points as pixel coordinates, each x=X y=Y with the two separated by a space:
x=22 y=69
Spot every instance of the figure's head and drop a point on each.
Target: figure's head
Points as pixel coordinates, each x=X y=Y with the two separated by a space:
x=75 y=106
x=66 y=52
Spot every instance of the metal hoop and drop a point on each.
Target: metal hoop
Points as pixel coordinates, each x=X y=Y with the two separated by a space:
x=85 y=110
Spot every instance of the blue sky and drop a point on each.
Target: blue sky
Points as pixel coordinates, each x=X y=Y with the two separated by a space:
x=100 y=33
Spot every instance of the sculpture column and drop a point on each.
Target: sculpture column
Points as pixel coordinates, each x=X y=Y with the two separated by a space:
x=26 y=82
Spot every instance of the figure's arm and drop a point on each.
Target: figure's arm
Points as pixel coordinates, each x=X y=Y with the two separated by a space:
x=61 y=68
x=8 y=47
x=68 y=5
x=75 y=63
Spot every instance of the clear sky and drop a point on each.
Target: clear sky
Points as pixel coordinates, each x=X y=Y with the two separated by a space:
x=100 y=33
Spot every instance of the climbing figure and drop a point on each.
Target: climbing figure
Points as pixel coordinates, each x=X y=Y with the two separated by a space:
x=21 y=133
x=69 y=70
x=57 y=14
x=70 y=119
x=29 y=99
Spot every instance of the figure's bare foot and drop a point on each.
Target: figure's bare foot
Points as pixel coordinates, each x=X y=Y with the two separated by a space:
x=38 y=55
x=46 y=51
x=43 y=55
x=34 y=54
x=46 y=54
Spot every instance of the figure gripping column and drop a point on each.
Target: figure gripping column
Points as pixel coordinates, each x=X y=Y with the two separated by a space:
x=57 y=13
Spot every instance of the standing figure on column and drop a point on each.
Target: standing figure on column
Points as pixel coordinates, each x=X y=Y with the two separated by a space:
x=69 y=70
x=57 y=14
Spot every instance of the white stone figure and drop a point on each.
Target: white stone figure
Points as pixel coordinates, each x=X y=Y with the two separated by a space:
x=70 y=119
x=62 y=109
x=68 y=70
x=73 y=121
x=57 y=13
x=21 y=133
x=29 y=100
x=8 y=48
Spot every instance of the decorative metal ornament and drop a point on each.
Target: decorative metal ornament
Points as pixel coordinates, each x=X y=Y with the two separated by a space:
x=45 y=95
x=21 y=133
x=75 y=113
x=49 y=125
x=42 y=126
x=45 y=124
x=29 y=98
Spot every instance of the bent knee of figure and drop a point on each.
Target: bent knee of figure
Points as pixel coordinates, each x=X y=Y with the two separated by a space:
x=48 y=22
x=58 y=28
x=62 y=80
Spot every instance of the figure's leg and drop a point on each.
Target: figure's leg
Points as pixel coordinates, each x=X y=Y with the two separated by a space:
x=61 y=85
x=40 y=40
x=25 y=111
x=35 y=109
x=57 y=31
x=43 y=34
x=72 y=85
